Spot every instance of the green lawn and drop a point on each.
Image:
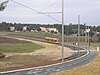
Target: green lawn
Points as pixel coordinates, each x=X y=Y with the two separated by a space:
x=19 y=47
x=31 y=34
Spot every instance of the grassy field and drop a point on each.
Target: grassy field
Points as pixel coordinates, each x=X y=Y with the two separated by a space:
x=21 y=60
x=42 y=35
x=12 y=46
x=19 y=47
x=92 y=68
x=8 y=45
x=92 y=45
x=31 y=34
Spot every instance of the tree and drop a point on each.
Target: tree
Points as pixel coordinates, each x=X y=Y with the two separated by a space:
x=3 y=5
x=99 y=39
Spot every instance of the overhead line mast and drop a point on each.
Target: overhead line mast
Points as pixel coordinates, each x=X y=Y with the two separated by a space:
x=46 y=14
x=62 y=30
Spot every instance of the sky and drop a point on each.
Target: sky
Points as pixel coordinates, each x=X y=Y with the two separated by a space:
x=89 y=11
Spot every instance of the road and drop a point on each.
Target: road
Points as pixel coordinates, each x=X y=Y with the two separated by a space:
x=51 y=69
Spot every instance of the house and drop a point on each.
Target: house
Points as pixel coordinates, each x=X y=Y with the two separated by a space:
x=12 y=29
x=51 y=30
x=43 y=29
x=25 y=28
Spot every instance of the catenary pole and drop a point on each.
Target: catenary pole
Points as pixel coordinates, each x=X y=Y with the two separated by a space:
x=78 y=33
x=62 y=30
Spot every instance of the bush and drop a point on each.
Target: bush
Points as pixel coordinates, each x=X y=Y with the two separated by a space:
x=2 y=55
x=99 y=39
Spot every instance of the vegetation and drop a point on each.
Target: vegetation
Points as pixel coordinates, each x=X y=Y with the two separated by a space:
x=90 y=69
x=2 y=55
x=31 y=34
x=18 y=47
x=3 y=5
x=8 y=45
x=68 y=28
x=22 y=60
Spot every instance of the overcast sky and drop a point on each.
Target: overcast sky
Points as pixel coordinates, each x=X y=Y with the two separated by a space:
x=89 y=10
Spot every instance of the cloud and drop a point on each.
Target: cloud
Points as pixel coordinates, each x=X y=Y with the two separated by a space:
x=88 y=9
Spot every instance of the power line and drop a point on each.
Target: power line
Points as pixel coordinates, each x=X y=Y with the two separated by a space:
x=54 y=19
x=35 y=10
x=71 y=20
x=49 y=6
x=24 y=6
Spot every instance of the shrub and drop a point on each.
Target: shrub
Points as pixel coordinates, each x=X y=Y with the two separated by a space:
x=2 y=55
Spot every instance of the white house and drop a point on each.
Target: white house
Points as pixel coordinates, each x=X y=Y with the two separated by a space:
x=52 y=29
x=12 y=28
x=25 y=28
x=43 y=29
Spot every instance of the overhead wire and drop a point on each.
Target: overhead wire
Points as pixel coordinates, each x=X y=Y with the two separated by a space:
x=71 y=20
x=49 y=5
x=35 y=10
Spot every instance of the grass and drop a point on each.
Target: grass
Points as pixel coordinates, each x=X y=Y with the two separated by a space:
x=92 y=45
x=19 y=47
x=90 y=69
x=21 y=60
x=31 y=34
x=27 y=59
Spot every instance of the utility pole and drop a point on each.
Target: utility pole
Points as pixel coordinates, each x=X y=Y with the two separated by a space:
x=82 y=39
x=62 y=26
x=86 y=37
x=67 y=37
x=78 y=32
x=62 y=30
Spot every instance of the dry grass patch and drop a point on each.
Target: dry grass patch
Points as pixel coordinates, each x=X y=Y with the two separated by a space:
x=90 y=69
x=21 y=60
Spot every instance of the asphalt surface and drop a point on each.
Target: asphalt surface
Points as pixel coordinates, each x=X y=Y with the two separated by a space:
x=48 y=70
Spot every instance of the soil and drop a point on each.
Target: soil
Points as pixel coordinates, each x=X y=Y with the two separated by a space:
x=9 y=40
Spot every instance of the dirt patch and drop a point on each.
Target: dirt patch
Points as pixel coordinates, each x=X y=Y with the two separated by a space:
x=40 y=57
x=10 y=40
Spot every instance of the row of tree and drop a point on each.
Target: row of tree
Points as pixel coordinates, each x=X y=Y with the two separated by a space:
x=68 y=29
